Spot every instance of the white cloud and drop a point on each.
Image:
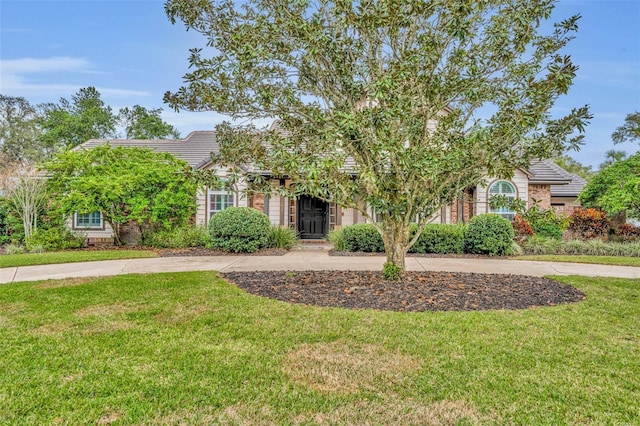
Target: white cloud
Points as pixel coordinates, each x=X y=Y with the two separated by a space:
x=17 y=78
x=189 y=121
x=35 y=65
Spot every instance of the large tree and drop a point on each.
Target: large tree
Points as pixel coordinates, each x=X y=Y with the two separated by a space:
x=142 y=123
x=615 y=188
x=72 y=122
x=573 y=166
x=20 y=131
x=124 y=184
x=389 y=107
x=629 y=131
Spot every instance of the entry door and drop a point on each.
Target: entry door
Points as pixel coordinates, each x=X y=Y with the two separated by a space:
x=312 y=217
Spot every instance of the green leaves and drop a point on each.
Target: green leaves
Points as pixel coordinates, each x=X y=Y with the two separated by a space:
x=615 y=188
x=390 y=104
x=125 y=184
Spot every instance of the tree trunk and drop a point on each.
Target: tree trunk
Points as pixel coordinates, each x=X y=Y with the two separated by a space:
x=396 y=242
x=117 y=240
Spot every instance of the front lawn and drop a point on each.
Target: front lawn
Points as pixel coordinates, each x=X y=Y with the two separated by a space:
x=28 y=259
x=189 y=348
x=601 y=260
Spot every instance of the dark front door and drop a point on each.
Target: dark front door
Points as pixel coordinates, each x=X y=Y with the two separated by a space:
x=312 y=217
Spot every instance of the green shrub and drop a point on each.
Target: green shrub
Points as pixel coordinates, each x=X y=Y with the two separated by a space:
x=391 y=272
x=180 y=237
x=239 y=229
x=56 y=238
x=336 y=237
x=281 y=237
x=362 y=237
x=440 y=238
x=547 y=228
x=488 y=234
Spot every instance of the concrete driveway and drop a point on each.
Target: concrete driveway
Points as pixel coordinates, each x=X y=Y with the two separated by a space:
x=299 y=260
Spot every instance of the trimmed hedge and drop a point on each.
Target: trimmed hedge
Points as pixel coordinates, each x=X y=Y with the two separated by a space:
x=440 y=238
x=362 y=237
x=436 y=238
x=489 y=234
x=239 y=229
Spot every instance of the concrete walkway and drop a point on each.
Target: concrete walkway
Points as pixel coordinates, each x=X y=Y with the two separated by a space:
x=309 y=259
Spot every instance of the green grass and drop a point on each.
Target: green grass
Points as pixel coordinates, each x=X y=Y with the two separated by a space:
x=28 y=259
x=188 y=348
x=601 y=260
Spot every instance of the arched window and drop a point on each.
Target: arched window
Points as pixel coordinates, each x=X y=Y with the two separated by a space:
x=506 y=189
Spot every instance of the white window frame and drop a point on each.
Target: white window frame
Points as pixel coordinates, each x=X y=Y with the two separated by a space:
x=88 y=224
x=505 y=211
x=227 y=199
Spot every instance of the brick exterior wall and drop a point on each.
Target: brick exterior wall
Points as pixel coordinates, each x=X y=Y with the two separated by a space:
x=257 y=202
x=466 y=202
x=541 y=194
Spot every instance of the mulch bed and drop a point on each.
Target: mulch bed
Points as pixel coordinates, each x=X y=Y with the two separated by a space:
x=417 y=292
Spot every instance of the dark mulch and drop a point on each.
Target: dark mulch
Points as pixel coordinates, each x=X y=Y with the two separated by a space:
x=418 y=291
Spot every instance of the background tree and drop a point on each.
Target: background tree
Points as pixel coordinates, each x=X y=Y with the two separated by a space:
x=142 y=123
x=389 y=91
x=124 y=184
x=23 y=189
x=612 y=156
x=573 y=166
x=629 y=131
x=20 y=131
x=615 y=188
x=85 y=116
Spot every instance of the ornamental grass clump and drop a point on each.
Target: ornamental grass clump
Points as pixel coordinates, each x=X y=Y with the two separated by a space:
x=239 y=230
x=281 y=237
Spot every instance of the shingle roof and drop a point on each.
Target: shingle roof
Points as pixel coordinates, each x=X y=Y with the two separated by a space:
x=563 y=183
x=194 y=149
x=548 y=172
x=197 y=147
x=574 y=188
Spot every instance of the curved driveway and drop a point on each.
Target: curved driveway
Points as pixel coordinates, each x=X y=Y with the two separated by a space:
x=299 y=260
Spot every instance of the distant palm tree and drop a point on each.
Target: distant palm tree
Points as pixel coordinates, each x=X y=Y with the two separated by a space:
x=612 y=156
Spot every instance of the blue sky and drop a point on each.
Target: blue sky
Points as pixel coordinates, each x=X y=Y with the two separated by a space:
x=130 y=51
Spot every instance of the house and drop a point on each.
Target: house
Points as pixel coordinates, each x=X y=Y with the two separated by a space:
x=543 y=183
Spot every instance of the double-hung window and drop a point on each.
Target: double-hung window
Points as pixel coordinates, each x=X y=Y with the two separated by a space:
x=88 y=220
x=219 y=199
